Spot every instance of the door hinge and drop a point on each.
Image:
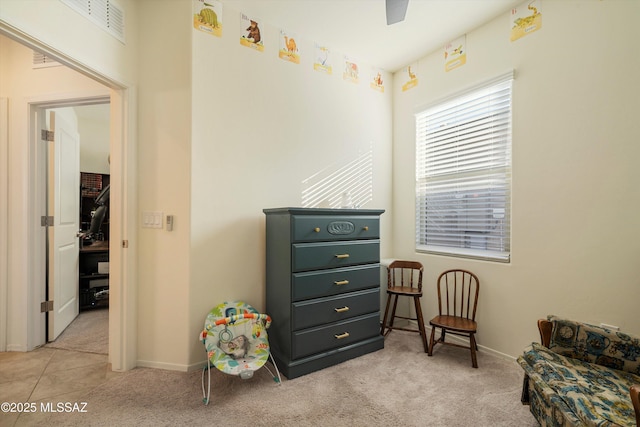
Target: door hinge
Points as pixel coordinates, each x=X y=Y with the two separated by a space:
x=46 y=135
x=125 y=244
x=46 y=306
x=46 y=221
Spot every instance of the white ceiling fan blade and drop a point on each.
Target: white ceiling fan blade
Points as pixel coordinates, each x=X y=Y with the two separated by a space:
x=396 y=10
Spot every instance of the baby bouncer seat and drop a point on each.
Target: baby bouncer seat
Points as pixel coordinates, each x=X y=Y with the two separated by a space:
x=236 y=341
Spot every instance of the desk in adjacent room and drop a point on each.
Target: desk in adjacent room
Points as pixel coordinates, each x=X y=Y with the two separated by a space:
x=94 y=275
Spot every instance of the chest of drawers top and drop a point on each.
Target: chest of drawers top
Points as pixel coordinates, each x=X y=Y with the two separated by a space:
x=318 y=224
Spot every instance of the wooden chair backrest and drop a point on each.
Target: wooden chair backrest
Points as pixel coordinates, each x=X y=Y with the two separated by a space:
x=406 y=274
x=458 y=293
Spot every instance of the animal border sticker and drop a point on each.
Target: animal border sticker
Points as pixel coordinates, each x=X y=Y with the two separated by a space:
x=250 y=35
x=375 y=82
x=207 y=17
x=350 y=72
x=289 y=47
x=455 y=53
x=322 y=59
x=409 y=73
x=525 y=19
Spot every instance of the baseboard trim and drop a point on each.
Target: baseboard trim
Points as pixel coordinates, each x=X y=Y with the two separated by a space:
x=162 y=365
x=199 y=365
x=17 y=347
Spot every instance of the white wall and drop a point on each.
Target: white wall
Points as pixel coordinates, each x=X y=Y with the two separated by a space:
x=224 y=133
x=65 y=30
x=575 y=229
x=261 y=126
x=164 y=114
x=93 y=127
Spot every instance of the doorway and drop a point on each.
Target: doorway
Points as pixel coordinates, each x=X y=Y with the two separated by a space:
x=21 y=289
x=78 y=275
x=56 y=195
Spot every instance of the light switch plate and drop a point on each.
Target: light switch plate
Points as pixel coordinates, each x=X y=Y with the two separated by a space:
x=152 y=219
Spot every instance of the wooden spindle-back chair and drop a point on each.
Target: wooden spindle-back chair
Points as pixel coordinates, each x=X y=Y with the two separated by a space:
x=457 y=303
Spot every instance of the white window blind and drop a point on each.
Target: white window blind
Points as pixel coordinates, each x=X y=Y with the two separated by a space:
x=463 y=173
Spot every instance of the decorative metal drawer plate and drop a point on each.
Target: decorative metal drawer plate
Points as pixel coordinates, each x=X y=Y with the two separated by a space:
x=341 y=227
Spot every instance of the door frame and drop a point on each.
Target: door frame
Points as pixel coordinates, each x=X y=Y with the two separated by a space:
x=4 y=223
x=123 y=262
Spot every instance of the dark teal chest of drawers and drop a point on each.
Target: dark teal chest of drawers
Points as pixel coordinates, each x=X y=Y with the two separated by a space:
x=323 y=286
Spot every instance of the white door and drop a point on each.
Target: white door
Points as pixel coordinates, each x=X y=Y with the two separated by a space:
x=64 y=200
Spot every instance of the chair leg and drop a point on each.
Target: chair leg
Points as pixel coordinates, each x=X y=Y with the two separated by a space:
x=393 y=312
x=386 y=313
x=423 y=332
x=432 y=343
x=473 y=345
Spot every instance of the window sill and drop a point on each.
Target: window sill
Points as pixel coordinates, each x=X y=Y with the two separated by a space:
x=478 y=254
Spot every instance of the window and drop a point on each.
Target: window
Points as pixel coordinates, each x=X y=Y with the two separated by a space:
x=463 y=173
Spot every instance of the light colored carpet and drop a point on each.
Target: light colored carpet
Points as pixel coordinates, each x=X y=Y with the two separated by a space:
x=399 y=385
x=89 y=332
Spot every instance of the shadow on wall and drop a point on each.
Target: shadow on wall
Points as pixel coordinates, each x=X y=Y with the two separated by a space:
x=346 y=184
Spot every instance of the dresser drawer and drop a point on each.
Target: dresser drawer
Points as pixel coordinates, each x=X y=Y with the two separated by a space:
x=316 y=340
x=315 y=284
x=333 y=309
x=314 y=256
x=309 y=228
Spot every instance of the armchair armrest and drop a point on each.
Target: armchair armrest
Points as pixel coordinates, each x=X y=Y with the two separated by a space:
x=635 y=399
x=544 y=327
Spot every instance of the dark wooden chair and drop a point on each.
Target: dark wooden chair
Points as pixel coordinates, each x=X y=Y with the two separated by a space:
x=404 y=278
x=457 y=302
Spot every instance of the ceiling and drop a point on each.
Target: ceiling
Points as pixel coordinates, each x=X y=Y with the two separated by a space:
x=358 y=28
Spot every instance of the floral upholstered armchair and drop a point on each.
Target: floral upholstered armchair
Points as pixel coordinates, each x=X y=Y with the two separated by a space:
x=582 y=375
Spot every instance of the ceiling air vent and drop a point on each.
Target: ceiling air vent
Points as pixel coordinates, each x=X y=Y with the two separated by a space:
x=41 y=60
x=104 y=13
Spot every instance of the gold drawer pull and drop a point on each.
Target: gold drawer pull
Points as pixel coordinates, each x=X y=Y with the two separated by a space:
x=317 y=229
x=365 y=228
x=342 y=256
x=341 y=336
x=341 y=310
x=341 y=282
